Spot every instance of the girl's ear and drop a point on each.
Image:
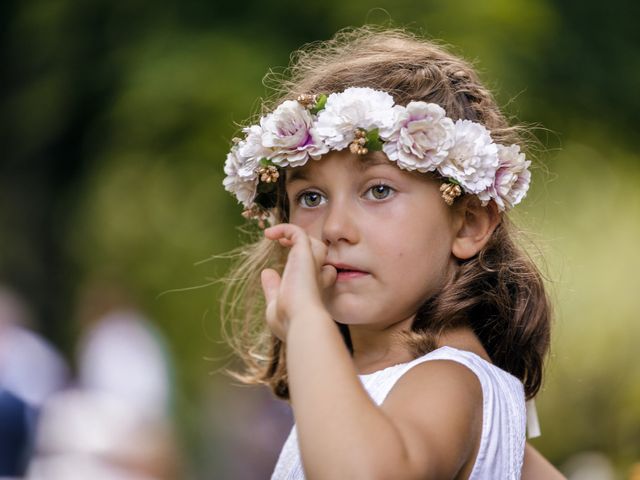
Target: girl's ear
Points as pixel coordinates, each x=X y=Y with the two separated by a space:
x=475 y=224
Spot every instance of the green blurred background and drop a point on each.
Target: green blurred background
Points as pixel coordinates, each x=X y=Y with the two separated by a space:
x=116 y=118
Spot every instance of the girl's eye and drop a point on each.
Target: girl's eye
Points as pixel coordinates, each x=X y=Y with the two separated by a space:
x=310 y=199
x=380 y=192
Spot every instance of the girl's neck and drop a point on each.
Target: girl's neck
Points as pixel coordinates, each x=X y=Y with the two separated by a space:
x=374 y=350
x=463 y=338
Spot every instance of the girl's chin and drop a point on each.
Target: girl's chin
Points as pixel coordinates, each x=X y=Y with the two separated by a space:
x=353 y=319
x=351 y=310
x=356 y=310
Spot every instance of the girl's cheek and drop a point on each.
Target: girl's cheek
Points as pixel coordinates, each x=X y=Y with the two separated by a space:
x=308 y=221
x=297 y=220
x=301 y=217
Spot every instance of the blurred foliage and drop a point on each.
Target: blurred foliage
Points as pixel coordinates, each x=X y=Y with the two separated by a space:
x=115 y=123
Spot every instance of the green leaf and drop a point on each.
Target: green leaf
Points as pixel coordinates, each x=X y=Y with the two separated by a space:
x=373 y=140
x=321 y=102
x=453 y=180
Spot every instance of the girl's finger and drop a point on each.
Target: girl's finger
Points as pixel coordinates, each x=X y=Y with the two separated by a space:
x=306 y=257
x=285 y=242
x=284 y=231
x=328 y=276
x=270 y=283
x=293 y=236
x=319 y=251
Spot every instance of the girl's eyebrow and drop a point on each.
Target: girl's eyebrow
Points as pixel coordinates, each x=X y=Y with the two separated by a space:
x=364 y=164
x=296 y=174
x=369 y=161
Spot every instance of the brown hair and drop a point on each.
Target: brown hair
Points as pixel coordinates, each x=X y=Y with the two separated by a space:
x=499 y=293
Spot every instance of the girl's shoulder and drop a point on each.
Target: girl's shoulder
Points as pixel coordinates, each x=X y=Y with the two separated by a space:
x=436 y=386
x=461 y=380
x=472 y=406
x=466 y=365
x=437 y=408
x=486 y=372
x=446 y=375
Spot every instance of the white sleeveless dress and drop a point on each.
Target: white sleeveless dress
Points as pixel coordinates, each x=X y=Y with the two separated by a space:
x=502 y=442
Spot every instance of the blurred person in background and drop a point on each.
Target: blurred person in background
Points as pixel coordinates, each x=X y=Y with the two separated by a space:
x=31 y=370
x=249 y=454
x=590 y=465
x=14 y=435
x=116 y=423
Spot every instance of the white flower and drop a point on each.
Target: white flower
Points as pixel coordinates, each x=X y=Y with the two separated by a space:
x=287 y=132
x=250 y=151
x=422 y=137
x=350 y=110
x=512 y=178
x=417 y=137
x=473 y=159
x=243 y=186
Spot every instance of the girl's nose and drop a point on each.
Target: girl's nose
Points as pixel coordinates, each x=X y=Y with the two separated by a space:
x=340 y=224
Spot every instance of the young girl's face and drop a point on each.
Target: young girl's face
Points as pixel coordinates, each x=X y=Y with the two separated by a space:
x=388 y=231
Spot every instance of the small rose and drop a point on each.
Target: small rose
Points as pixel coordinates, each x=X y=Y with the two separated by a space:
x=242 y=186
x=422 y=137
x=473 y=159
x=250 y=151
x=355 y=108
x=287 y=133
x=511 y=181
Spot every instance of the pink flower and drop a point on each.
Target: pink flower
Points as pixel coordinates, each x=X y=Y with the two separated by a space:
x=422 y=137
x=511 y=181
x=287 y=133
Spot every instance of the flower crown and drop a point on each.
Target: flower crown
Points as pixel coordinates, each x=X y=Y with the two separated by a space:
x=418 y=137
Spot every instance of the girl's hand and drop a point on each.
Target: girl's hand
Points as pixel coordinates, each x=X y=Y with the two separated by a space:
x=299 y=290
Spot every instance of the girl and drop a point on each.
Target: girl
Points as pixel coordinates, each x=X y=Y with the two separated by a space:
x=406 y=328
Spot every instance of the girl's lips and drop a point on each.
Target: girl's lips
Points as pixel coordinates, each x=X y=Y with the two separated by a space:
x=349 y=275
x=348 y=272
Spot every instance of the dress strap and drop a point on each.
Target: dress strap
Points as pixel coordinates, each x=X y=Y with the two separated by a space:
x=533 y=425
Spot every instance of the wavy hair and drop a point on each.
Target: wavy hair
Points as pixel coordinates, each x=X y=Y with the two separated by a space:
x=500 y=292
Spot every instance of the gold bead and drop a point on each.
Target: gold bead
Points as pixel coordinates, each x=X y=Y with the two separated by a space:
x=450 y=192
x=268 y=174
x=306 y=100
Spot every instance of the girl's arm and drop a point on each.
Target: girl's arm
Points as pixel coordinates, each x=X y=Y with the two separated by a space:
x=341 y=432
x=537 y=467
x=425 y=429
